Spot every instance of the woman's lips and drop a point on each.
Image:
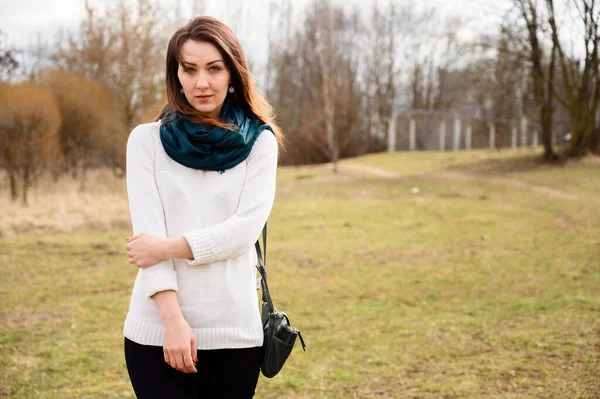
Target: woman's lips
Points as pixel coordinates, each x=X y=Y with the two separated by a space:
x=204 y=98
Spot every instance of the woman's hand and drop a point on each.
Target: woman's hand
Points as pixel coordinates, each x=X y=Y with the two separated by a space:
x=179 y=345
x=145 y=249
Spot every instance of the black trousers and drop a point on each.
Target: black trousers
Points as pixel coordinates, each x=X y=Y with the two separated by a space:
x=222 y=373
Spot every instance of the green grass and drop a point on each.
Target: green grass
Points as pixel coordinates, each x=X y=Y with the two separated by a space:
x=468 y=289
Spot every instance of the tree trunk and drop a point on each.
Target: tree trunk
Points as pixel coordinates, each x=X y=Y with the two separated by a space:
x=549 y=154
x=25 y=186
x=543 y=86
x=328 y=76
x=595 y=142
x=13 y=185
x=546 y=111
x=581 y=144
x=581 y=87
x=332 y=142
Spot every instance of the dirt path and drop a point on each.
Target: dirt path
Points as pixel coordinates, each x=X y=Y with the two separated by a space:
x=509 y=181
x=453 y=175
x=370 y=169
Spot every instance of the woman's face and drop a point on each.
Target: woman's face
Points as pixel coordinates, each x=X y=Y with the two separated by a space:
x=204 y=77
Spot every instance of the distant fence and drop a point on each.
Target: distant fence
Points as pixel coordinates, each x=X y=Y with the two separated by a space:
x=422 y=130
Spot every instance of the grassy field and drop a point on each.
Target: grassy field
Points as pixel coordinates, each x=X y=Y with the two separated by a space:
x=483 y=284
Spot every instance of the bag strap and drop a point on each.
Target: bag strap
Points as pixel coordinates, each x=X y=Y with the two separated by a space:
x=264 y=234
x=262 y=268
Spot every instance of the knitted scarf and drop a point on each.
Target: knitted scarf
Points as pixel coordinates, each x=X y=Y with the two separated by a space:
x=211 y=147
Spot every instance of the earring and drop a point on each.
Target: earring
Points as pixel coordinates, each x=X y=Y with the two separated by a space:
x=181 y=90
x=231 y=89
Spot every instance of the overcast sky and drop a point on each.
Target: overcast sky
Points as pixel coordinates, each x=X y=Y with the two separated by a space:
x=22 y=20
x=36 y=23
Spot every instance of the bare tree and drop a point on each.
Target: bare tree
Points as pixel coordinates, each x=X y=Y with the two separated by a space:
x=580 y=93
x=8 y=59
x=382 y=72
x=328 y=74
x=328 y=59
x=511 y=71
x=314 y=70
x=124 y=49
x=542 y=78
x=29 y=123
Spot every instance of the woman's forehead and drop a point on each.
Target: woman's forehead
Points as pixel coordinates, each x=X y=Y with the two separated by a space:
x=199 y=52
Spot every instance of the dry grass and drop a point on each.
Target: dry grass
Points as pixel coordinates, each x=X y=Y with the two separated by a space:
x=470 y=288
x=61 y=207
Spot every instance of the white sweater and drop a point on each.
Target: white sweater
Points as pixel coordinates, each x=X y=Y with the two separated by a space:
x=221 y=216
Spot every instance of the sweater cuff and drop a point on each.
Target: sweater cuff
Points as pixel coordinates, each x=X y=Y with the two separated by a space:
x=202 y=248
x=160 y=280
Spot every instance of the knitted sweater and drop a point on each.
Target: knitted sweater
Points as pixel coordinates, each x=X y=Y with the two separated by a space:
x=220 y=215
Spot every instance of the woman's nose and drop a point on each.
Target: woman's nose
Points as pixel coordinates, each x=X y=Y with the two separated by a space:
x=202 y=82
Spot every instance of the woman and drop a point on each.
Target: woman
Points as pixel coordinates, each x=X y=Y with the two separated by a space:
x=201 y=184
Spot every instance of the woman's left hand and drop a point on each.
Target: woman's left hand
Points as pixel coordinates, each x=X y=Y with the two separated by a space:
x=144 y=250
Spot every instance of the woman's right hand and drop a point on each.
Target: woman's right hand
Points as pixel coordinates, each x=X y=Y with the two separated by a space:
x=179 y=345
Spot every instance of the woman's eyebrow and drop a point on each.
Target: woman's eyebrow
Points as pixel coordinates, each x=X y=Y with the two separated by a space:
x=193 y=64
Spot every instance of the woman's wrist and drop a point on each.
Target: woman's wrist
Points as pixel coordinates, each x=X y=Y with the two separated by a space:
x=174 y=247
x=164 y=250
x=169 y=309
x=172 y=318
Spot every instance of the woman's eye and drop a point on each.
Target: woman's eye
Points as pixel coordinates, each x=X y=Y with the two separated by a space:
x=190 y=70
x=215 y=68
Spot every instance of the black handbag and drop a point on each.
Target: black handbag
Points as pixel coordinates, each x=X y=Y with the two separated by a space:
x=280 y=337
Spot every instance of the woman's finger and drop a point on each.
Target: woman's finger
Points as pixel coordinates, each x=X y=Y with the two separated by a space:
x=189 y=365
x=179 y=359
x=193 y=349
x=172 y=360
x=167 y=360
x=135 y=236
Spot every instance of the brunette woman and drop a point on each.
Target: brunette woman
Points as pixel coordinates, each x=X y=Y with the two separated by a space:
x=201 y=184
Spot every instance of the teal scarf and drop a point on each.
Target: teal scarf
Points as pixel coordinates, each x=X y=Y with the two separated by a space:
x=211 y=147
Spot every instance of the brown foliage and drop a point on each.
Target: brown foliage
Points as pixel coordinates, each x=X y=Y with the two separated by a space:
x=90 y=134
x=29 y=124
x=152 y=112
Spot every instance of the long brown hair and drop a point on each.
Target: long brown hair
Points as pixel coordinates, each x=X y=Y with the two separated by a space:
x=211 y=30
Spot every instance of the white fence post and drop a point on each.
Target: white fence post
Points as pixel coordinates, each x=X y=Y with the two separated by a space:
x=468 y=137
x=514 y=137
x=456 y=138
x=442 y=135
x=492 y=128
x=392 y=135
x=535 y=140
x=412 y=134
x=524 y=131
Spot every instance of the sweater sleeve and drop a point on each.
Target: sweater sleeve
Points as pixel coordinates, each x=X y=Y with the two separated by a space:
x=145 y=207
x=236 y=235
